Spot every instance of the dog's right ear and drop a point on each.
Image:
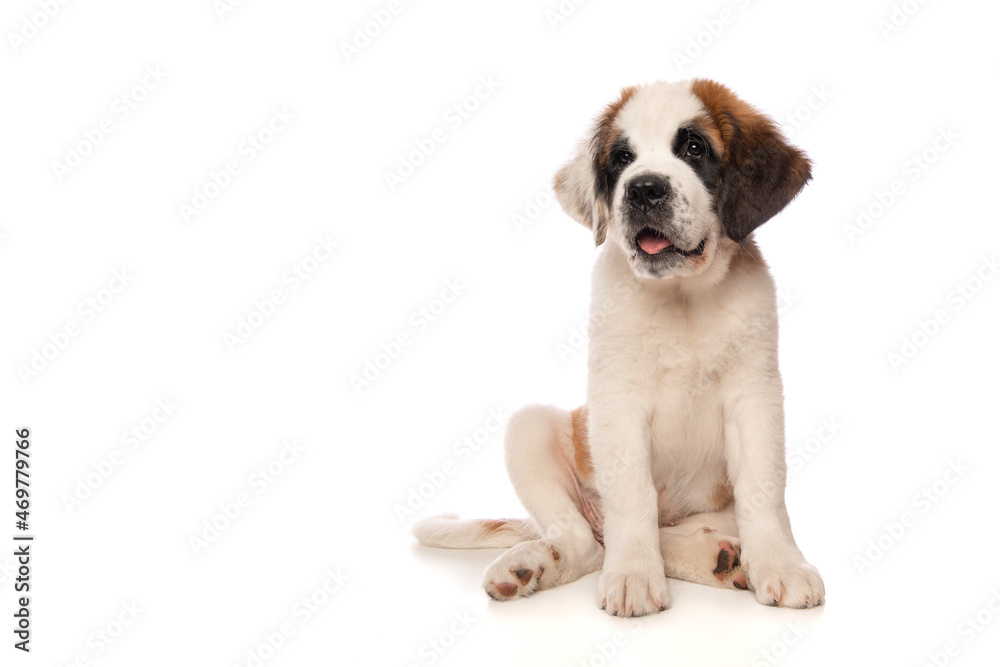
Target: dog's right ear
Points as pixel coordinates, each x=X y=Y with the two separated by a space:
x=576 y=184
x=575 y=188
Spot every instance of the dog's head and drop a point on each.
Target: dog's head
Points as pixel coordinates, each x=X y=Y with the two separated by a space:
x=672 y=170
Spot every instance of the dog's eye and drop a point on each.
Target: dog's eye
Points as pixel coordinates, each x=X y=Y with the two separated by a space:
x=623 y=159
x=695 y=148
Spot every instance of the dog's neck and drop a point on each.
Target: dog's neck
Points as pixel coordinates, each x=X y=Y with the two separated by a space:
x=731 y=259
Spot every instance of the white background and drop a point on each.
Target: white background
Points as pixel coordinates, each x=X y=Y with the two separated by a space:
x=867 y=101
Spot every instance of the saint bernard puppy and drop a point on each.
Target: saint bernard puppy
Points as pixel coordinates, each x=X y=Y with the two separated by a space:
x=675 y=467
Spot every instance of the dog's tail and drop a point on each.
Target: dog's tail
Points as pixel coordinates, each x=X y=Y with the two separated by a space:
x=450 y=532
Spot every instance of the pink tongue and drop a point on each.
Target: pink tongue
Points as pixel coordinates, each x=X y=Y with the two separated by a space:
x=653 y=244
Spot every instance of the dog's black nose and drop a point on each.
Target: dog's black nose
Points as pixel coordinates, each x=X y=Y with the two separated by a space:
x=647 y=191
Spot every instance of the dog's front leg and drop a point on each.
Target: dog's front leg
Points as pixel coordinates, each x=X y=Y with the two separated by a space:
x=755 y=453
x=632 y=582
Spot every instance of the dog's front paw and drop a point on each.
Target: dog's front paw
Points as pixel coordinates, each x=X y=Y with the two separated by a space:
x=633 y=592
x=793 y=583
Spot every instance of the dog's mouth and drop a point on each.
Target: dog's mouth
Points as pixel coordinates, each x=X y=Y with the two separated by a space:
x=651 y=242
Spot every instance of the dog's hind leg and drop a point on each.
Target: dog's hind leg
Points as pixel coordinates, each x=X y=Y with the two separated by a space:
x=704 y=548
x=542 y=464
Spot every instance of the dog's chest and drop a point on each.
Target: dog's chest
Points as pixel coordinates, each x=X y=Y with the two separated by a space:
x=686 y=350
x=684 y=357
x=685 y=369
x=687 y=440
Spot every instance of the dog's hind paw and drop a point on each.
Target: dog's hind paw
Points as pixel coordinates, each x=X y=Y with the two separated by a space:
x=518 y=572
x=727 y=565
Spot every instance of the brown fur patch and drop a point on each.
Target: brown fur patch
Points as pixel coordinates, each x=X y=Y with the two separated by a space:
x=725 y=111
x=605 y=135
x=761 y=171
x=707 y=128
x=581 y=444
x=606 y=132
x=490 y=526
x=721 y=496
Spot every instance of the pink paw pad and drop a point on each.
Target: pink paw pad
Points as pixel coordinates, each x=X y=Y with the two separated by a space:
x=507 y=589
x=523 y=575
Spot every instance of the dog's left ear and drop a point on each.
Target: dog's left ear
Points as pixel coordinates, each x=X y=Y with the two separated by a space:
x=761 y=172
